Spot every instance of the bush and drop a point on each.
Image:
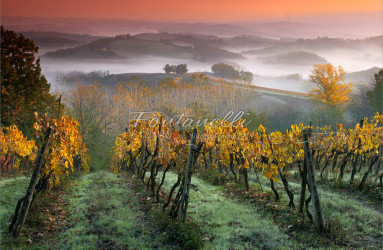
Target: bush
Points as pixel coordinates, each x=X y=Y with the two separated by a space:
x=214 y=178
x=187 y=235
x=335 y=230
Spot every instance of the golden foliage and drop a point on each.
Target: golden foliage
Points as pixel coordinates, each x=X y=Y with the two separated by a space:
x=268 y=154
x=330 y=91
x=12 y=142
x=64 y=145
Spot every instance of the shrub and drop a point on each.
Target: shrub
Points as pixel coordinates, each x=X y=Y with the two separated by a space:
x=187 y=235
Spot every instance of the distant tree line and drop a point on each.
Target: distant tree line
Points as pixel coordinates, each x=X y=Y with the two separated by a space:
x=176 y=69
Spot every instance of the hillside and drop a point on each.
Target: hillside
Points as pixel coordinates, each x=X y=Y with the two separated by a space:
x=190 y=39
x=249 y=41
x=57 y=40
x=126 y=47
x=149 y=79
x=99 y=49
x=203 y=52
x=120 y=48
x=296 y=58
x=195 y=38
x=182 y=39
x=320 y=45
x=363 y=76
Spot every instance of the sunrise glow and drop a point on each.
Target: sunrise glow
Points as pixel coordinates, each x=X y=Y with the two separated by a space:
x=188 y=10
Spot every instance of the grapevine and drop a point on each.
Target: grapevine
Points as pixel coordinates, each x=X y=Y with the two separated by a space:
x=232 y=148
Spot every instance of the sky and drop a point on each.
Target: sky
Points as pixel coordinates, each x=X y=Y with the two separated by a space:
x=186 y=10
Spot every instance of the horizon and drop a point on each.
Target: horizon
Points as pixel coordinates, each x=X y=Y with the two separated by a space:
x=349 y=26
x=298 y=19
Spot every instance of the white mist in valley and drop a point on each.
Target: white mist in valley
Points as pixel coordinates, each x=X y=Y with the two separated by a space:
x=292 y=77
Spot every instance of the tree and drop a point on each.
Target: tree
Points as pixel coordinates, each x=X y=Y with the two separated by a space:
x=24 y=90
x=254 y=119
x=360 y=106
x=330 y=92
x=167 y=69
x=244 y=77
x=375 y=96
x=173 y=69
x=91 y=107
x=181 y=69
x=224 y=70
x=247 y=76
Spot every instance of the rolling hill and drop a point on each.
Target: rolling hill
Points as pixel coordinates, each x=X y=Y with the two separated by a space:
x=296 y=58
x=363 y=76
x=248 y=41
x=57 y=40
x=182 y=39
x=320 y=44
x=190 y=39
x=126 y=47
x=99 y=49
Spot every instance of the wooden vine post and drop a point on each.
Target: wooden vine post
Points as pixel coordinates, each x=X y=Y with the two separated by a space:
x=187 y=178
x=312 y=182
x=25 y=202
x=303 y=187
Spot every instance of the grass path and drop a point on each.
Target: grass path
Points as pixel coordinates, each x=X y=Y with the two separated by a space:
x=227 y=224
x=105 y=213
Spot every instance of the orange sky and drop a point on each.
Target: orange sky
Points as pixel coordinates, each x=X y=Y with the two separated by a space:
x=185 y=10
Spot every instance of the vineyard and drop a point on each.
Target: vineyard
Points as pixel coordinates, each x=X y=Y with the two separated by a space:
x=230 y=151
x=234 y=150
x=249 y=165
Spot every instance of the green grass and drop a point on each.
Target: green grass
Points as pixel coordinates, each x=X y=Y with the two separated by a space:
x=10 y=191
x=227 y=224
x=359 y=222
x=45 y=218
x=105 y=214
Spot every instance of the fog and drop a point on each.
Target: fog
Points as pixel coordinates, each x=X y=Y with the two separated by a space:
x=277 y=76
x=254 y=40
x=353 y=60
x=350 y=60
x=264 y=75
x=52 y=68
